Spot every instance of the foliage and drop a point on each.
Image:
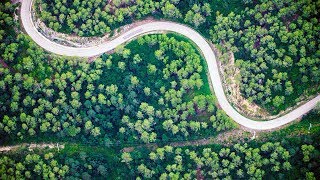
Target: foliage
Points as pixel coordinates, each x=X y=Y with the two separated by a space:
x=268 y=160
x=276 y=49
x=154 y=90
x=32 y=166
x=117 y=97
x=89 y=18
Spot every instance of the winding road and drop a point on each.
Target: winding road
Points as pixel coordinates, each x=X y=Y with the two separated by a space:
x=155 y=27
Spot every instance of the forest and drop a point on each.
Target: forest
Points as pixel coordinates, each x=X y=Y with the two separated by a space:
x=267 y=38
x=111 y=99
x=276 y=46
x=296 y=156
x=269 y=161
x=91 y=18
x=153 y=91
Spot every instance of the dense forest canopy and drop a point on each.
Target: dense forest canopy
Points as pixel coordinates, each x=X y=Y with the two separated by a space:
x=118 y=97
x=277 y=50
x=269 y=160
x=266 y=160
x=269 y=38
x=89 y=18
x=154 y=91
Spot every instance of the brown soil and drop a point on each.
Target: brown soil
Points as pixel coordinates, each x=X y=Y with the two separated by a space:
x=15 y=1
x=230 y=75
x=199 y=175
x=231 y=81
x=288 y=21
x=31 y=147
x=77 y=41
x=4 y=64
x=227 y=138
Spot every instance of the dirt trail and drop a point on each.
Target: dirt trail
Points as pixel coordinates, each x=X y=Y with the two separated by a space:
x=32 y=146
x=226 y=138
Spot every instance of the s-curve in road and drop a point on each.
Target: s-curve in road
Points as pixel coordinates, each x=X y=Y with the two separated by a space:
x=160 y=26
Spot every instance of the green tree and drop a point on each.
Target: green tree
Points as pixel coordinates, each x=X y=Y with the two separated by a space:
x=278 y=101
x=170 y=11
x=126 y=157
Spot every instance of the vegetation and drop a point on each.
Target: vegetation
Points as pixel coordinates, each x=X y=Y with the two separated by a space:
x=268 y=38
x=270 y=160
x=276 y=46
x=296 y=156
x=89 y=18
x=117 y=98
x=32 y=166
x=155 y=90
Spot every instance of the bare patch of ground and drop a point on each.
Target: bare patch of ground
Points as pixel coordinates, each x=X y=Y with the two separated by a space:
x=231 y=83
x=15 y=1
x=231 y=80
x=4 y=64
x=31 y=146
x=149 y=146
x=77 y=41
x=227 y=138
